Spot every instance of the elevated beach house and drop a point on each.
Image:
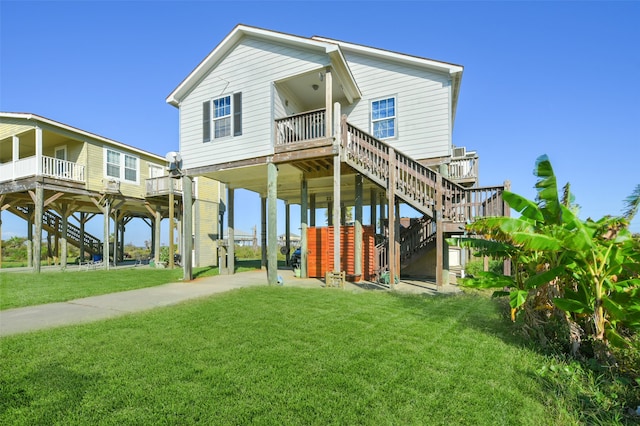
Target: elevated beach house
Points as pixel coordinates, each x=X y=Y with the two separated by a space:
x=322 y=122
x=58 y=177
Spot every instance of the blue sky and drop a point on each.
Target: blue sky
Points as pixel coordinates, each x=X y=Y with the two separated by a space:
x=556 y=78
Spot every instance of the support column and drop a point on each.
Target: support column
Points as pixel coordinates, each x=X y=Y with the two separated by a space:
x=263 y=231
x=330 y=213
x=397 y=238
x=231 y=249
x=312 y=210
x=38 y=152
x=303 y=227
x=82 y=250
x=358 y=227
x=372 y=209
x=30 y=214
x=105 y=244
x=116 y=236
x=391 y=197
x=187 y=223
x=382 y=215
x=328 y=78
x=287 y=231
x=337 y=252
x=439 y=234
x=157 y=224
x=272 y=229
x=15 y=153
x=64 y=212
x=172 y=249
x=39 y=211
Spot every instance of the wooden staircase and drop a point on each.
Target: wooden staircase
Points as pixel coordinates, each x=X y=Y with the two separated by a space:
x=420 y=187
x=53 y=223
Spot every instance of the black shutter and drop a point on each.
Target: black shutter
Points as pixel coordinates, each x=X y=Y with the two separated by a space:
x=206 y=121
x=237 y=114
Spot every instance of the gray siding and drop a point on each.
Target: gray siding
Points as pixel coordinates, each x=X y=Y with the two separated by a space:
x=250 y=68
x=422 y=108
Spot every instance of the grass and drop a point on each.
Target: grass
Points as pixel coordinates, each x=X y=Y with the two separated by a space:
x=19 y=289
x=278 y=355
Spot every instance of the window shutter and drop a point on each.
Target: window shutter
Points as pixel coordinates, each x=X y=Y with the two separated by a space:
x=206 y=121
x=237 y=114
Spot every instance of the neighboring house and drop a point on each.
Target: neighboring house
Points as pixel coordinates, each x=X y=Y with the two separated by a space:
x=315 y=120
x=51 y=172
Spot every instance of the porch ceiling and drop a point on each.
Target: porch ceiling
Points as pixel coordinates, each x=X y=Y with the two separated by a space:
x=319 y=182
x=306 y=96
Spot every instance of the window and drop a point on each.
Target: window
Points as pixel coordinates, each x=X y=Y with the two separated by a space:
x=383 y=118
x=224 y=116
x=121 y=166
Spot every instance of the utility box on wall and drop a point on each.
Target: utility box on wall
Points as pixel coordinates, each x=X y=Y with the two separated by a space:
x=320 y=247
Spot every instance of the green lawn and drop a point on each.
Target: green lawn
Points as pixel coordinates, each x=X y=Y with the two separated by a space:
x=279 y=355
x=18 y=289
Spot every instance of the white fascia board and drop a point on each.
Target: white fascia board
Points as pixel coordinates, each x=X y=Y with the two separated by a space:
x=397 y=57
x=229 y=43
x=80 y=132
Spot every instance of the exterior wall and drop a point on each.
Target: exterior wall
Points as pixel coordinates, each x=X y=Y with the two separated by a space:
x=12 y=126
x=237 y=72
x=95 y=169
x=422 y=104
x=205 y=221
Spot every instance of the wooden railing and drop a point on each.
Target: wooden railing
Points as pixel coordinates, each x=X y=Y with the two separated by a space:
x=416 y=184
x=463 y=168
x=62 y=169
x=301 y=127
x=419 y=235
x=163 y=185
x=51 y=167
x=53 y=223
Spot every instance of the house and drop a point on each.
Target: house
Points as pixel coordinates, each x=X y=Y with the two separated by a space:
x=58 y=177
x=316 y=120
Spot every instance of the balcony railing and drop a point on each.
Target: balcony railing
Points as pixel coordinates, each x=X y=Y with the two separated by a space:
x=51 y=167
x=163 y=185
x=463 y=168
x=301 y=127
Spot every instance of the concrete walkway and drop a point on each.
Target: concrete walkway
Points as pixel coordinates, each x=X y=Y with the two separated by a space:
x=31 y=318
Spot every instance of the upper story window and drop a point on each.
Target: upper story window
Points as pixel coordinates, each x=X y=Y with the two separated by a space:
x=383 y=118
x=121 y=166
x=222 y=117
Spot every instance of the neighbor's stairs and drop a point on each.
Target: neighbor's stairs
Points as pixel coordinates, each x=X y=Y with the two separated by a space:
x=53 y=223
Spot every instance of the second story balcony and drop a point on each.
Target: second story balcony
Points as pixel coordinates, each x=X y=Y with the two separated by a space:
x=48 y=167
x=164 y=185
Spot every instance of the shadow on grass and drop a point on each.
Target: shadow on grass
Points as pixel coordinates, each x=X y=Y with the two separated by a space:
x=64 y=385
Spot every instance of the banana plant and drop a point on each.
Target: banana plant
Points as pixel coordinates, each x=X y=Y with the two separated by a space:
x=593 y=264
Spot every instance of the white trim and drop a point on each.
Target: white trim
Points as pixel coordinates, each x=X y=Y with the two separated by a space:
x=395 y=116
x=395 y=56
x=122 y=174
x=53 y=123
x=240 y=31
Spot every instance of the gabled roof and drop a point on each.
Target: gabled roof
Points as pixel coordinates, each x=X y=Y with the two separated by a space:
x=37 y=118
x=453 y=70
x=332 y=50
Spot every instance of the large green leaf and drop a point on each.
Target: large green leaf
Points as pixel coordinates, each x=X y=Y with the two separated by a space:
x=517 y=298
x=485 y=247
x=571 y=305
x=488 y=280
x=533 y=241
x=547 y=188
x=615 y=338
x=522 y=205
x=537 y=280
